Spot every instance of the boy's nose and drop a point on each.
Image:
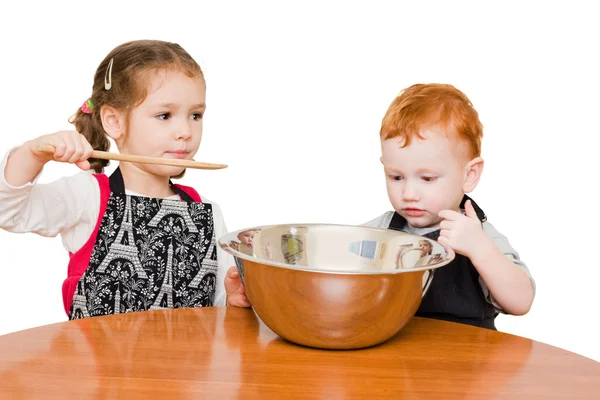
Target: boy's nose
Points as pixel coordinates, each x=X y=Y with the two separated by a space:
x=410 y=192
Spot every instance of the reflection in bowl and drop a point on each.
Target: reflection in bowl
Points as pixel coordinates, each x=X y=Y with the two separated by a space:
x=334 y=286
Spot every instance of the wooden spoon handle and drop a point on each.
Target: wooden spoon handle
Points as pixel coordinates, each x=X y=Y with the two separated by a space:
x=105 y=155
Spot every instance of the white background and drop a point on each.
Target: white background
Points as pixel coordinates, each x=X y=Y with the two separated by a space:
x=296 y=93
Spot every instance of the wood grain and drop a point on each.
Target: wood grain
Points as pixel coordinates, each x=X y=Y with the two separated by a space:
x=228 y=353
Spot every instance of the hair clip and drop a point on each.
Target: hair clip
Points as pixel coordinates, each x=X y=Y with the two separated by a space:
x=108 y=76
x=87 y=107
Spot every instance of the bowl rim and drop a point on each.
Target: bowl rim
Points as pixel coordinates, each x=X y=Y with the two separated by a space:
x=225 y=239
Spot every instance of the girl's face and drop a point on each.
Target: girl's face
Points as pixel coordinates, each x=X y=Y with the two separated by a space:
x=168 y=123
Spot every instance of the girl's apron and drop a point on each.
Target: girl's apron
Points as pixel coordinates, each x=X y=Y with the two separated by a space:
x=148 y=253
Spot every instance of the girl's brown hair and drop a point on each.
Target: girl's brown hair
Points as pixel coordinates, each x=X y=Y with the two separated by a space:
x=127 y=68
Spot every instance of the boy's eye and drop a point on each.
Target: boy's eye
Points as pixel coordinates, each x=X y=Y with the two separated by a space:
x=196 y=116
x=429 y=178
x=395 y=177
x=163 y=116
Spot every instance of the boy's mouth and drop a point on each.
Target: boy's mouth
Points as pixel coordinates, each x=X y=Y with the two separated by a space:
x=414 y=212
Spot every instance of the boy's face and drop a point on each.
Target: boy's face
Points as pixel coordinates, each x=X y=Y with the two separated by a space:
x=247 y=237
x=426 y=177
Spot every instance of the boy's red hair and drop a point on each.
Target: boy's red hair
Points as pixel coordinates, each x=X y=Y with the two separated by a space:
x=425 y=106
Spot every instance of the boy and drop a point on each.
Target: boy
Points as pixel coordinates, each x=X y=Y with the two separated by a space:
x=431 y=144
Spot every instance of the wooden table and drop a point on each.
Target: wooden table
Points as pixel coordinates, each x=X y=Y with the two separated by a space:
x=228 y=353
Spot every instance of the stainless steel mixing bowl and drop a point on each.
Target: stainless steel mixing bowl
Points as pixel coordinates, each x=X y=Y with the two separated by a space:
x=334 y=286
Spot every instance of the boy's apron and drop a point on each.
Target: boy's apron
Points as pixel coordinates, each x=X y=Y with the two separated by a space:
x=149 y=253
x=455 y=293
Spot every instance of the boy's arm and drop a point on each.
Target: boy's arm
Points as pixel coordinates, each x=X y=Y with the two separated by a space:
x=510 y=286
x=502 y=243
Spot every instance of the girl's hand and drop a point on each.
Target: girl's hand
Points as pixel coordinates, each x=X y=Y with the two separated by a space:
x=69 y=146
x=236 y=296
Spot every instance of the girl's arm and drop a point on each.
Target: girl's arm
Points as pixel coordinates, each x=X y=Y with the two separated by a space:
x=27 y=161
x=68 y=205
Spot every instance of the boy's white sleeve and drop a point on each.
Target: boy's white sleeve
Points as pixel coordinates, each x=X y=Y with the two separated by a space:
x=67 y=206
x=224 y=259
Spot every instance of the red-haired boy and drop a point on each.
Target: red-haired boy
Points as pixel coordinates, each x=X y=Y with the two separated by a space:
x=431 y=144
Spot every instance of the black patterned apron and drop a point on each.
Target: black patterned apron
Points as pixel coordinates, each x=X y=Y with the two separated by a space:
x=150 y=253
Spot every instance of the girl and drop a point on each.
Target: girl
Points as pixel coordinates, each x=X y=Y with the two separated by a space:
x=136 y=241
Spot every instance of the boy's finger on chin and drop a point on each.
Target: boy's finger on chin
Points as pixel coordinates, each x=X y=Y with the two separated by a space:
x=449 y=215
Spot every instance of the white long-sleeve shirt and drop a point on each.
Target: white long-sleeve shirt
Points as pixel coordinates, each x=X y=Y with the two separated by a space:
x=69 y=207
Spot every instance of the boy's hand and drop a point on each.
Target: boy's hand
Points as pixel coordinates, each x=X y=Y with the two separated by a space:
x=236 y=295
x=462 y=233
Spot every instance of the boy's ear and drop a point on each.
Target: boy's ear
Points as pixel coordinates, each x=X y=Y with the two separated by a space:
x=473 y=171
x=113 y=122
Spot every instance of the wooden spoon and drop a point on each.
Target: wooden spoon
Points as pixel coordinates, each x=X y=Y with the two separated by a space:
x=104 y=155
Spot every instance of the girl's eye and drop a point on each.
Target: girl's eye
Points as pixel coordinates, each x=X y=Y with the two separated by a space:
x=395 y=177
x=164 y=116
x=429 y=178
x=196 y=116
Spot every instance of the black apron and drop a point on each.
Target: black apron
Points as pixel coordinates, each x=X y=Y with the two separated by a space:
x=150 y=253
x=455 y=293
